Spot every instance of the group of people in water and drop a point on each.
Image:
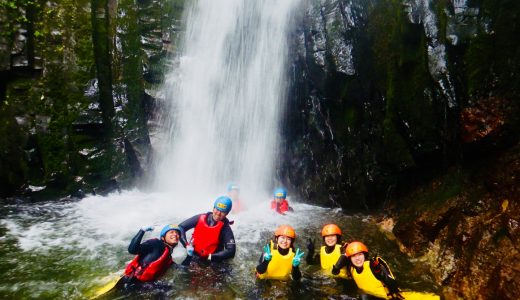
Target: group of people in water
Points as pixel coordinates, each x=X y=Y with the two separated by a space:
x=212 y=241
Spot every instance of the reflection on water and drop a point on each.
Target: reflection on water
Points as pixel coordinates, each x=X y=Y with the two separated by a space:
x=64 y=250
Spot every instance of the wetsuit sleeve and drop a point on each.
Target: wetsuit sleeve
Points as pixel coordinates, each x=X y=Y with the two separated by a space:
x=383 y=274
x=296 y=274
x=342 y=262
x=135 y=244
x=312 y=258
x=187 y=225
x=227 y=244
x=262 y=265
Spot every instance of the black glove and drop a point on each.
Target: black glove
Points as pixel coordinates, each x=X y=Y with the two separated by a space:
x=395 y=296
x=393 y=290
x=344 y=246
x=342 y=262
x=310 y=246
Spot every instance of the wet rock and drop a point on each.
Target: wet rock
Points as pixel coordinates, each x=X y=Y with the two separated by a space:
x=484 y=119
x=107 y=187
x=133 y=159
x=470 y=238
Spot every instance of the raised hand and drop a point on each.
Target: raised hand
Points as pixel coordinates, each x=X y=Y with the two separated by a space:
x=267 y=253
x=297 y=258
x=310 y=246
x=189 y=249
x=147 y=228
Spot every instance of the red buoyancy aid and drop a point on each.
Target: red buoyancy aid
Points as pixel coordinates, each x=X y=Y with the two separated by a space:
x=150 y=271
x=205 y=237
x=284 y=206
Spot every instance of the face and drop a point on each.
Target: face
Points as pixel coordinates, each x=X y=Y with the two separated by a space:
x=284 y=242
x=358 y=259
x=218 y=215
x=171 y=237
x=279 y=200
x=331 y=240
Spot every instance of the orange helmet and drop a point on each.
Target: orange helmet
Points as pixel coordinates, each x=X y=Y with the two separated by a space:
x=355 y=248
x=285 y=230
x=330 y=229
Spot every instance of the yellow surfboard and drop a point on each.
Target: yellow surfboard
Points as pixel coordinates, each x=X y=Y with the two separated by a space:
x=410 y=295
x=106 y=288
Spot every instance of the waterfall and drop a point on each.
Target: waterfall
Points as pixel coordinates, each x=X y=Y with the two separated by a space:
x=226 y=94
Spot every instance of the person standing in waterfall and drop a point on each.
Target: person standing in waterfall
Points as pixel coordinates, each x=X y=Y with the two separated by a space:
x=279 y=259
x=233 y=191
x=212 y=239
x=330 y=252
x=279 y=203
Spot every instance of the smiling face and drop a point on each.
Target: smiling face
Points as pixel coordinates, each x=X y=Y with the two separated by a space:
x=171 y=237
x=331 y=240
x=284 y=242
x=218 y=215
x=358 y=259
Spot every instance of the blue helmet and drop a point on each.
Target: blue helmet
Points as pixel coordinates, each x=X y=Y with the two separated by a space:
x=223 y=204
x=280 y=193
x=232 y=186
x=168 y=228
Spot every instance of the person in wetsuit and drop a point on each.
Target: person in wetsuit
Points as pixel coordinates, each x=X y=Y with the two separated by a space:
x=279 y=203
x=233 y=192
x=329 y=252
x=212 y=239
x=153 y=257
x=372 y=276
x=279 y=260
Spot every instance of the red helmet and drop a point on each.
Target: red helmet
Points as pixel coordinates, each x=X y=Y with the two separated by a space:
x=355 y=248
x=330 y=229
x=285 y=230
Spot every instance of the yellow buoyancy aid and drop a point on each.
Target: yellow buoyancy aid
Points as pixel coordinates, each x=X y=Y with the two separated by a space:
x=368 y=283
x=327 y=260
x=280 y=266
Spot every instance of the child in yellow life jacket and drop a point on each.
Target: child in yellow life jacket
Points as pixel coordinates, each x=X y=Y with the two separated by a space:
x=279 y=261
x=373 y=277
x=330 y=252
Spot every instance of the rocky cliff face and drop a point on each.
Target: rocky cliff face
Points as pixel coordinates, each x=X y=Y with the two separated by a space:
x=78 y=85
x=381 y=89
x=465 y=225
x=412 y=106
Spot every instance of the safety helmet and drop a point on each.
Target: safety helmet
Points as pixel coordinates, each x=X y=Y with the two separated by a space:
x=330 y=229
x=280 y=193
x=223 y=204
x=355 y=248
x=232 y=186
x=170 y=227
x=285 y=230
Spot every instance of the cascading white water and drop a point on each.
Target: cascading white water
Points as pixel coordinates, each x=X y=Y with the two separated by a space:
x=227 y=94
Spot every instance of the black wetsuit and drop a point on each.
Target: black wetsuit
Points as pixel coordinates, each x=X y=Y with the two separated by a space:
x=377 y=268
x=226 y=247
x=296 y=274
x=148 y=251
